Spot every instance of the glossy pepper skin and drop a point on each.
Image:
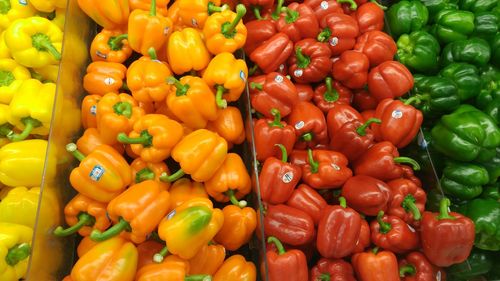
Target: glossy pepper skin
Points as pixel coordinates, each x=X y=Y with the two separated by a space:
x=273 y=52
x=19 y=205
x=459 y=240
x=311 y=62
x=15 y=249
x=91 y=139
x=142 y=170
x=307 y=199
x=452 y=25
x=89 y=110
x=419 y=51
x=376 y=266
x=333 y=270
x=173 y=268
x=236 y=268
x=354 y=138
x=229 y=125
x=466 y=78
x=239 y=226
x=338 y=116
x=13 y=75
x=416 y=267
x=407 y=200
x=478 y=6
x=326 y=96
x=292 y=226
x=370 y=16
x=364 y=239
x=273 y=91
x=389 y=79
x=309 y=124
x=325 y=169
x=186 y=51
x=463 y=180
x=298 y=22
x=161 y=5
x=112 y=15
x=339 y=32
x=475 y=51
x=435 y=95
x=104 y=77
x=183 y=190
x=258 y=31
x=486 y=217
x=14 y=10
x=366 y=195
x=225 y=31
x=351 y=69
x=486 y=24
x=293 y=263
x=378 y=46
x=324 y=8
x=393 y=234
x=407 y=16
x=207 y=260
x=194 y=14
x=268 y=133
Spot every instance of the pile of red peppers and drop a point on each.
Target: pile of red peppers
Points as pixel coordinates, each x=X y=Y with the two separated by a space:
x=340 y=202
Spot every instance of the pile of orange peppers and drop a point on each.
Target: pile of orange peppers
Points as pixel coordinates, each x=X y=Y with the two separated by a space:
x=160 y=194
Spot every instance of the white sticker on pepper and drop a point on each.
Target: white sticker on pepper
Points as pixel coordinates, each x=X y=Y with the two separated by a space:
x=335 y=166
x=23 y=2
x=299 y=125
x=298 y=72
x=242 y=75
x=397 y=114
x=334 y=41
x=101 y=55
x=93 y=109
x=324 y=5
x=96 y=173
x=287 y=177
x=109 y=81
x=278 y=78
x=171 y=215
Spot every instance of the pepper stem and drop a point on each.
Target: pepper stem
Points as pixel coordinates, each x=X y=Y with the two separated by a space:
x=228 y=28
x=353 y=6
x=443 y=210
x=232 y=198
x=200 y=277
x=361 y=130
x=324 y=35
x=173 y=177
x=307 y=136
x=123 y=108
x=152 y=53
x=73 y=149
x=314 y=165
x=152 y=11
x=276 y=14
x=257 y=86
x=375 y=250
x=143 y=175
x=284 y=156
x=221 y=103
x=291 y=15
x=5 y=129
x=379 y=5
x=256 y=12
x=42 y=42
x=115 y=43
x=29 y=124
x=111 y=232
x=84 y=219
x=408 y=269
x=146 y=139
x=331 y=94
x=385 y=227
x=277 y=118
x=409 y=205
x=407 y=160
x=414 y=99
x=277 y=243
x=342 y=202
x=181 y=89
x=303 y=61
x=212 y=8
x=325 y=277
x=18 y=253
x=158 y=257
x=253 y=69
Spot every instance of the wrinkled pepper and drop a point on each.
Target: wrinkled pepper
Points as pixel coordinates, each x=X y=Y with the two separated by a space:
x=463 y=180
x=419 y=51
x=366 y=195
x=186 y=50
x=12 y=76
x=351 y=69
x=229 y=125
x=378 y=46
x=333 y=270
x=104 y=77
x=405 y=17
x=407 y=200
x=291 y=226
x=239 y=226
x=307 y=199
x=298 y=21
x=15 y=250
x=273 y=91
x=325 y=169
x=354 y=138
x=339 y=31
x=225 y=31
x=111 y=46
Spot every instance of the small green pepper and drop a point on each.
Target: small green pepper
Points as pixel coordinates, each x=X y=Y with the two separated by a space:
x=478 y=263
x=486 y=25
x=475 y=51
x=434 y=6
x=478 y=5
x=466 y=77
x=406 y=17
x=485 y=213
x=463 y=180
x=419 y=51
x=453 y=25
x=436 y=95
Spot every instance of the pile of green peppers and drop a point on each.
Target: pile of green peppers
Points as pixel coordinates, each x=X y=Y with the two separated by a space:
x=453 y=49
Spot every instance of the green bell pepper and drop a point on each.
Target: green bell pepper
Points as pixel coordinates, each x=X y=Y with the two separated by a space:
x=434 y=6
x=493 y=110
x=406 y=16
x=478 y=263
x=453 y=25
x=495 y=50
x=463 y=180
x=466 y=134
x=490 y=87
x=435 y=95
x=475 y=51
x=485 y=213
x=491 y=191
x=478 y=5
x=419 y=51
x=466 y=77
x=493 y=166
x=486 y=25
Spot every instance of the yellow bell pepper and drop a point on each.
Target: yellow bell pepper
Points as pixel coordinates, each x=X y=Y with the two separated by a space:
x=46 y=6
x=225 y=31
x=186 y=51
x=47 y=73
x=20 y=205
x=108 y=14
x=34 y=41
x=11 y=10
x=194 y=13
x=22 y=163
x=12 y=75
x=31 y=109
x=4 y=50
x=59 y=18
x=15 y=249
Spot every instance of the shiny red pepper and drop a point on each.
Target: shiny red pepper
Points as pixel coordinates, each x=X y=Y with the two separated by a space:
x=325 y=169
x=280 y=263
x=366 y=195
x=338 y=116
x=407 y=200
x=332 y=270
x=258 y=31
x=410 y=175
x=324 y=8
x=269 y=132
x=305 y=91
x=362 y=100
x=272 y=91
x=370 y=16
x=308 y=200
x=298 y=22
x=339 y=31
x=290 y=225
x=390 y=79
x=351 y=69
x=416 y=267
x=329 y=94
x=378 y=46
x=376 y=266
x=354 y=138
x=272 y=53
x=309 y=123
x=393 y=234
x=364 y=239
x=311 y=62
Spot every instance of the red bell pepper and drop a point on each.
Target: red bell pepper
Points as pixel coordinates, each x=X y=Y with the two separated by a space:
x=338 y=116
x=290 y=225
x=393 y=234
x=258 y=31
x=278 y=178
x=370 y=16
x=325 y=169
x=368 y=114
x=409 y=175
x=364 y=239
x=338 y=230
x=416 y=267
x=308 y=200
x=305 y=91
x=407 y=200
x=447 y=237
x=400 y=122
x=309 y=124
x=298 y=22
x=381 y=161
x=376 y=266
x=311 y=62
x=339 y=31
x=323 y=8
x=258 y=5
x=366 y=195
x=353 y=139
x=332 y=270
x=390 y=79
x=362 y=100
x=292 y=263
x=351 y=69
x=273 y=91
x=378 y=46
x=328 y=95
x=272 y=53
x=268 y=133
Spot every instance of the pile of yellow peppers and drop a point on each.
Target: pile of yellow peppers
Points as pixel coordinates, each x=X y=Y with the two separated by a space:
x=30 y=51
x=161 y=96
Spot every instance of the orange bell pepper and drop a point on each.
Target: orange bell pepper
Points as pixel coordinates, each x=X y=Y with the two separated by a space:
x=192 y=101
x=208 y=259
x=162 y=108
x=83 y=214
x=102 y=174
x=227 y=76
x=173 y=14
x=142 y=170
x=239 y=225
x=116 y=113
x=89 y=110
x=161 y=5
x=85 y=245
x=229 y=125
x=183 y=190
x=137 y=211
x=236 y=268
x=104 y=77
x=112 y=260
x=111 y=46
x=186 y=51
x=147 y=106
x=91 y=139
x=153 y=137
x=146 y=252
x=199 y=154
x=172 y=269
x=146 y=79
x=225 y=31
x=147 y=29
x=194 y=13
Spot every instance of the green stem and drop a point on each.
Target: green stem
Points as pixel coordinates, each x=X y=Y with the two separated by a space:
x=115 y=43
x=277 y=119
x=303 y=61
x=123 y=108
x=158 y=257
x=256 y=12
x=152 y=11
x=42 y=42
x=84 y=219
x=331 y=94
x=146 y=139
x=342 y=202
x=173 y=177
x=385 y=227
x=409 y=205
x=314 y=165
x=361 y=130
x=143 y=175
x=221 y=103
x=253 y=69
x=18 y=253
x=199 y=277
x=152 y=53
x=212 y=8
x=257 y=86
x=29 y=124
x=407 y=160
x=228 y=28
x=324 y=35
x=232 y=198
x=375 y=250
x=379 y=5
x=111 y=232
x=124 y=86
x=284 y=156
x=277 y=243
x=353 y=6
x=276 y=14
x=408 y=269
x=307 y=137
x=73 y=149
x=181 y=89
x=291 y=15
x=414 y=99
x=5 y=129
x=325 y=277
x=443 y=210
x=7 y=77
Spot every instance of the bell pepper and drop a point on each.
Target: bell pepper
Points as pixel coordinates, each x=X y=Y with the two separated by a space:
x=419 y=51
x=183 y=190
x=309 y=124
x=268 y=133
x=338 y=230
x=194 y=14
x=192 y=101
x=407 y=200
x=236 y=268
x=339 y=31
x=475 y=51
x=493 y=167
x=227 y=76
x=454 y=247
x=389 y=79
x=104 y=77
x=161 y=5
x=400 y=122
x=208 y=260
x=452 y=25
x=364 y=239
x=272 y=53
x=338 y=116
x=308 y=200
x=435 y=95
x=322 y=9
x=89 y=110
x=333 y=270
x=12 y=76
x=466 y=78
x=278 y=178
x=107 y=15
x=326 y=96
x=102 y=175
x=370 y=16
x=366 y=195
x=137 y=211
x=19 y=205
x=30 y=155
x=239 y=226
x=210 y=150
x=273 y=91
x=91 y=139
x=405 y=17
x=229 y=125
x=225 y=31
x=15 y=250
x=85 y=245
x=298 y=21
x=354 y=138
x=477 y=266
x=393 y=234
x=416 y=267
x=189 y=228
x=13 y=10
x=186 y=50
x=463 y=180
x=142 y=171
x=258 y=31
x=486 y=218
x=325 y=169
x=173 y=268
x=378 y=46
x=114 y=259
x=376 y=265
x=111 y=46
x=311 y=62
x=363 y=100
x=478 y=6
x=486 y=24
x=292 y=263
x=292 y=226
x=351 y=69
x=466 y=134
